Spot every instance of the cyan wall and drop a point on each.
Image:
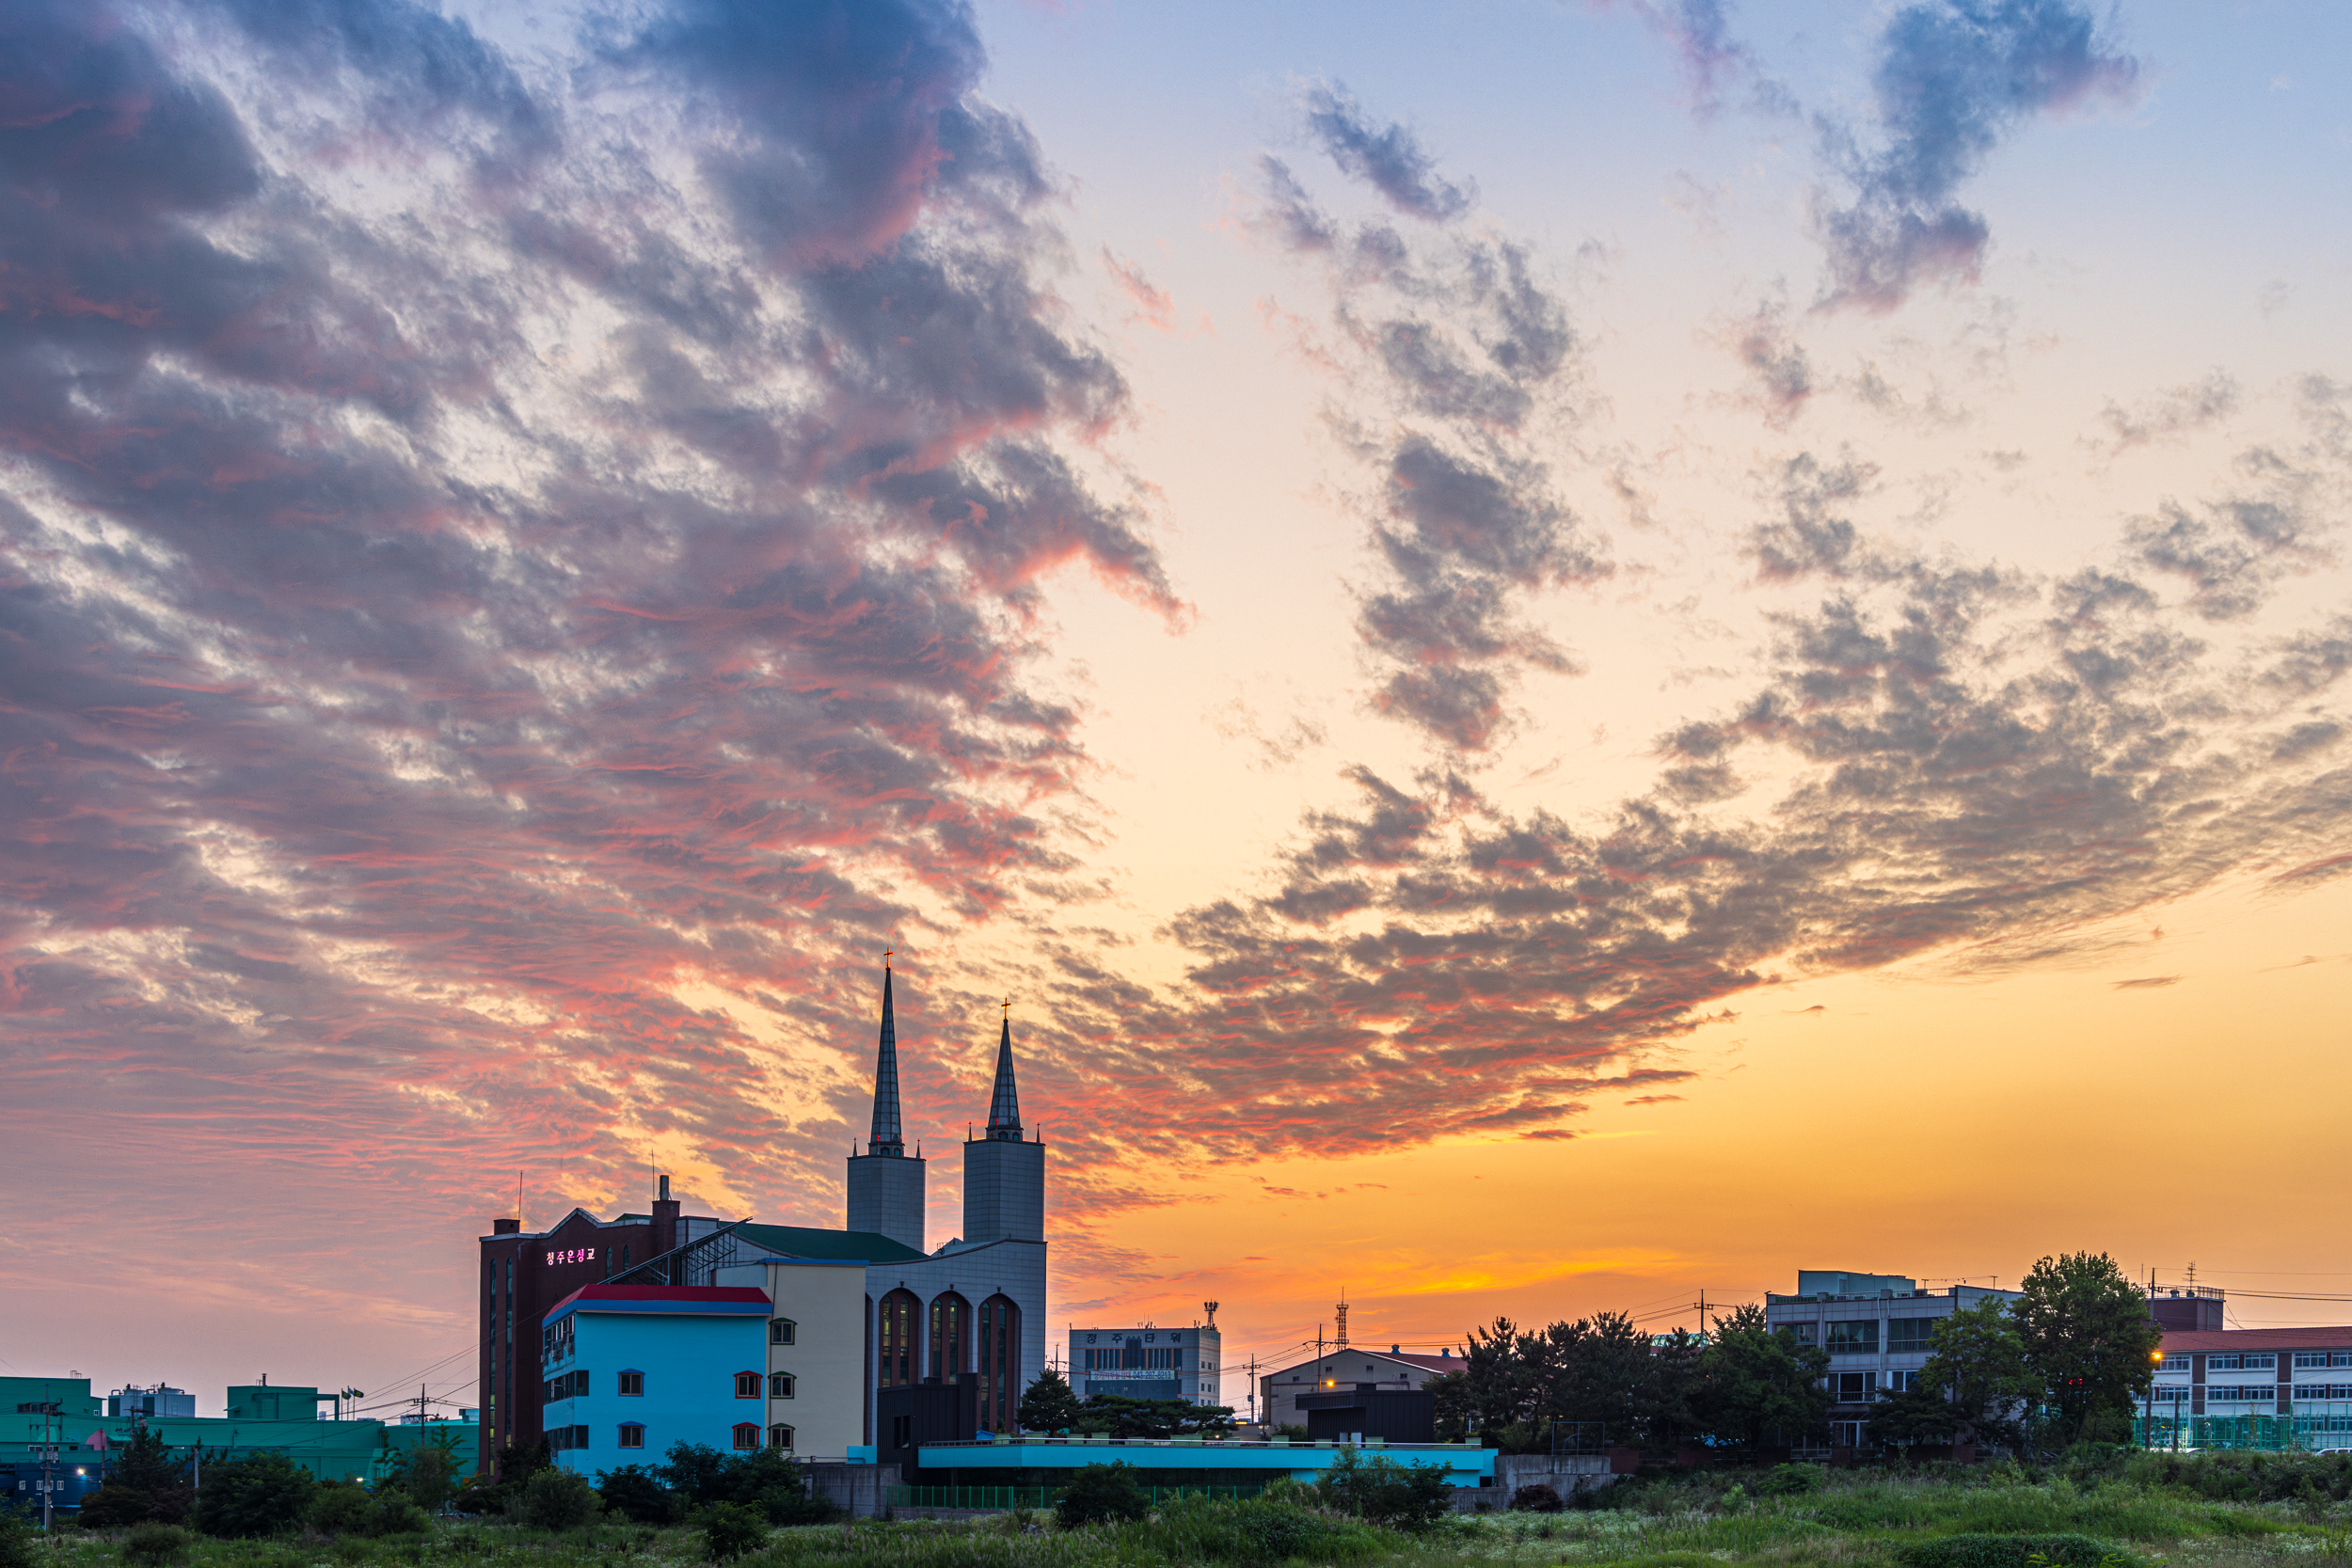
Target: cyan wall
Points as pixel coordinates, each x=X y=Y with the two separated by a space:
x=690 y=1361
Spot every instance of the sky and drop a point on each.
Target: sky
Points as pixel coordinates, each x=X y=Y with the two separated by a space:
x=1563 y=652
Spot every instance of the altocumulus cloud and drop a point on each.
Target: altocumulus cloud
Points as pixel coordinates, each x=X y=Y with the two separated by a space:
x=482 y=553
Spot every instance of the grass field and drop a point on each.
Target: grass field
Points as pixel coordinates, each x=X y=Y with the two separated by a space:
x=2136 y=1515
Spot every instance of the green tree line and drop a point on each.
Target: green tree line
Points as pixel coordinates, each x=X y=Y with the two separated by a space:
x=2065 y=1362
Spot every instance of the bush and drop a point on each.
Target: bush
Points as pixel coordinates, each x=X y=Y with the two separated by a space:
x=395 y=1512
x=2014 y=1551
x=1100 y=1492
x=1537 y=1498
x=633 y=1492
x=114 y=1506
x=341 y=1509
x=730 y=1529
x=1789 y=1480
x=1262 y=1531
x=259 y=1495
x=16 y=1541
x=557 y=1498
x=1409 y=1497
x=156 y=1544
x=795 y=1505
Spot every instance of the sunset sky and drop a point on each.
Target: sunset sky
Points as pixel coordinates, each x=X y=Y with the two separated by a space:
x=1562 y=652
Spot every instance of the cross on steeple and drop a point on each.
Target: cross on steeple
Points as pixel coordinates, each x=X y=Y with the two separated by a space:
x=1004 y=1100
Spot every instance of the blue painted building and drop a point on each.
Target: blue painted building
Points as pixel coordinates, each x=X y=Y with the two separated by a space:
x=1192 y=1461
x=629 y=1370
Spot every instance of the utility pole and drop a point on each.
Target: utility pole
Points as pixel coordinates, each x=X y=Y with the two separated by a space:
x=50 y=1409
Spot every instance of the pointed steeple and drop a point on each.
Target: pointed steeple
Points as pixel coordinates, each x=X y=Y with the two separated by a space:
x=1004 y=1101
x=885 y=1139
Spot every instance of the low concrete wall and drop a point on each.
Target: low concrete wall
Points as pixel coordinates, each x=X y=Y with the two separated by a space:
x=864 y=1490
x=1564 y=1473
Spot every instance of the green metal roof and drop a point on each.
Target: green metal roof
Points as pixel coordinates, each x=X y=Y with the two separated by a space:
x=793 y=1241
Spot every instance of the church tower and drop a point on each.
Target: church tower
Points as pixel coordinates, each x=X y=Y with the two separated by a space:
x=1004 y=1178
x=885 y=1187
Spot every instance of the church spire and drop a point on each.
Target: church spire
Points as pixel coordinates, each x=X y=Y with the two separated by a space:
x=886 y=1138
x=1004 y=1101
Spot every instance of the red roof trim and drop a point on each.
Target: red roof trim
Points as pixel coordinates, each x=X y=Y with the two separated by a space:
x=662 y=1292
x=2184 y=1341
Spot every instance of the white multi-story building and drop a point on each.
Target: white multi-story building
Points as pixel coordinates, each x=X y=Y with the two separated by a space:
x=1875 y=1327
x=2302 y=1374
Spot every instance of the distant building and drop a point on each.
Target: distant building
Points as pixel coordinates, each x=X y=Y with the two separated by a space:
x=2300 y=1376
x=162 y=1400
x=263 y=1418
x=973 y=1309
x=1148 y=1363
x=1876 y=1329
x=1346 y=1366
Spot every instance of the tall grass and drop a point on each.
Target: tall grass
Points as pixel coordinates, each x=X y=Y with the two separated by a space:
x=2168 y=1514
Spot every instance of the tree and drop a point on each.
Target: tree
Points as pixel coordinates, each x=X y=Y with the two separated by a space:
x=2087 y=1339
x=1100 y=1492
x=1380 y=1490
x=428 y=1474
x=1125 y=1417
x=1597 y=1370
x=1756 y=1381
x=730 y=1530
x=697 y=1472
x=1495 y=1390
x=637 y=1495
x=1049 y=1405
x=258 y=1495
x=1976 y=1361
x=1907 y=1417
x=559 y=1500
x=145 y=1464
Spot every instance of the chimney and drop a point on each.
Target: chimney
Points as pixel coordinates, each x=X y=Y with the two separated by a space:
x=664 y=1220
x=506 y=1227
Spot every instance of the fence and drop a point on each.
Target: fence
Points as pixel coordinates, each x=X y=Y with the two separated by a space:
x=2263 y=1434
x=1003 y=1497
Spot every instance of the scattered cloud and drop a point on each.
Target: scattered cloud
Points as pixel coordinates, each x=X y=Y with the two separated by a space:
x=1953 y=80
x=2152 y=982
x=1388 y=157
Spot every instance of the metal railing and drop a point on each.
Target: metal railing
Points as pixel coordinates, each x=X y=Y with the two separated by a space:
x=1004 y=1499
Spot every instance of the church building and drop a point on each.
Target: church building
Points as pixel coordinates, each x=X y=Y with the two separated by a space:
x=971 y=1310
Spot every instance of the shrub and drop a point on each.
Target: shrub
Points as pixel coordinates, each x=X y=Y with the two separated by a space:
x=341 y=1509
x=113 y=1506
x=1260 y=1532
x=795 y=1505
x=259 y=1495
x=1099 y=1492
x=395 y=1512
x=1789 y=1480
x=730 y=1529
x=633 y=1492
x=1409 y=1497
x=156 y=1544
x=2014 y=1551
x=16 y=1541
x=557 y=1498
x=1537 y=1498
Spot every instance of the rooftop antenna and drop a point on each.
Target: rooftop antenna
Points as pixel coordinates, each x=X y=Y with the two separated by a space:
x=1340 y=1328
